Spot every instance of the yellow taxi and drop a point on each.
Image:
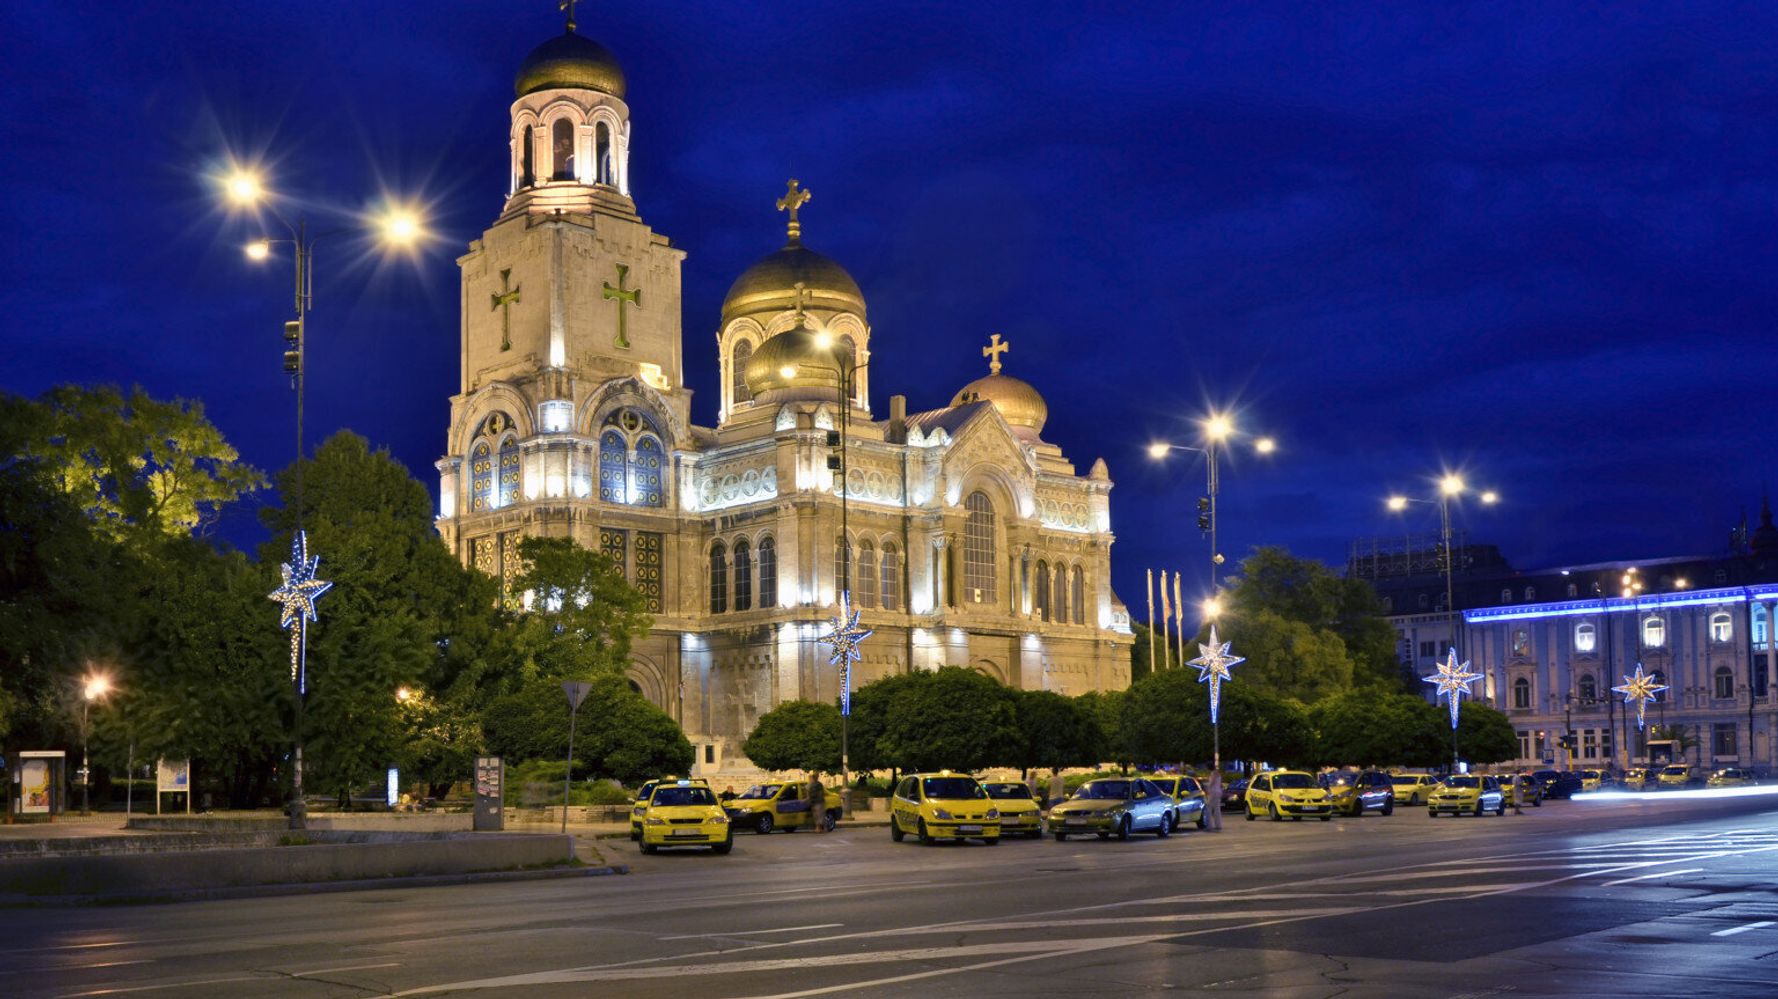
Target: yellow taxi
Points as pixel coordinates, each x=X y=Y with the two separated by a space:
x=685 y=813
x=1018 y=808
x=781 y=804
x=1470 y=793
x=1188 y=794
x=1677 y=776
x=1591 y=780
x=1732 y=777
x=1641 y=778
x=1413 y=789
x=943 y=805
x=639 y=803
x=1287 y=792
x=1509 y=791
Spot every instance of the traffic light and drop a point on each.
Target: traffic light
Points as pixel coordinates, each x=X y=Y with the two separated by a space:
x=834 y=458
x=1203 y=513
x=293 y=346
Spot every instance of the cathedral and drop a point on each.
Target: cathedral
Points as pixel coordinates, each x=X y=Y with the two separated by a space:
x=961 y=536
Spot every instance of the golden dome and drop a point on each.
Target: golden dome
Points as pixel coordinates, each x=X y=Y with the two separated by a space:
x=572 y=62
x=815 y=366
x=1018 y=402
x=770 y=285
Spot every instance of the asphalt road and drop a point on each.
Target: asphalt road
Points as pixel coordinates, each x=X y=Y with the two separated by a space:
x=1647 y=898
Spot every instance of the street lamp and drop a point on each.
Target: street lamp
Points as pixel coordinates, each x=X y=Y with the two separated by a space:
x=398 y=226
x=1450 y=486
x=93 y=688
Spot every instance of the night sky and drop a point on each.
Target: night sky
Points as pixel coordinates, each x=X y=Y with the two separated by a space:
x=1534 y=242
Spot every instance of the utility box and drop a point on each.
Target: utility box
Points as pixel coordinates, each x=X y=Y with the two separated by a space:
x=490 y=792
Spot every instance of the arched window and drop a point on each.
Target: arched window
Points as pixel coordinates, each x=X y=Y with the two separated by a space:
x=718 y=578
x=891 y=569
x=1722 y=627
x=1388 y=604
x=1530 y=593
x=528 y=158
x=612 y=459
x=1586 y=637
x=1589 y=689
x=1043 y=590
x=978 y=550
x=1758 y=632
x=842 y=564
x=1654 y=632
x=768 y=572
x=1573 y=590
x=602 y=152
x=1521 y=642
x=738 y=372
x=1424 y=601
x=1725 y=683
x=1059 y=591
x=1080 y=596
x=743 y=576
x=645 y=473
x=1506 y=596
x=864 y=588
x=1521 y=693
x=509 y=472
x=561 y=141
x=481 y=476
x=1722 y=577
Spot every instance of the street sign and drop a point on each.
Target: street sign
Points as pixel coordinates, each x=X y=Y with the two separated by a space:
x=576 y=691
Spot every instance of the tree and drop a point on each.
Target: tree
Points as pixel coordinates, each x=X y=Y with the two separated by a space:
x=1286 y=657
x=1378 y=729
x=618 y=734
x=1107 y=709
x=1165 y=655
x=796 y=735
x=583 y=616
x=1327 y=607
x=1259 y=725
x=1166 y=718
x=439 y=741
x=1484 y=735
x=1054 y=732
x=951 y=718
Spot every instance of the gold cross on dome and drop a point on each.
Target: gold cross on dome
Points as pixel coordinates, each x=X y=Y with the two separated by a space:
x=567 y=7
x=623 y=296
x=509 y=293
x=992 y=352
x=800 y=296
x=794 y=199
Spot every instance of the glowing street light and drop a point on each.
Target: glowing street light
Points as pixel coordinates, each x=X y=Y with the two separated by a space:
x=243 y=187
x=1265 y=445
x=93 y=688
x=400 y=227
x=1212 y=606
x=258 y=250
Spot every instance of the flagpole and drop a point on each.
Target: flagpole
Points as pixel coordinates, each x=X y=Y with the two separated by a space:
x=1151 y=620
x=1179 y=616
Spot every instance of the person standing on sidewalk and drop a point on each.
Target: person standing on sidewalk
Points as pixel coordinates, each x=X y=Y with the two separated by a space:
x=817 y=802
x=1521 y=788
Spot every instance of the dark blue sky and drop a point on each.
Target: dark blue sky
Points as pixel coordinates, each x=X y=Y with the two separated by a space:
x=1533 y=241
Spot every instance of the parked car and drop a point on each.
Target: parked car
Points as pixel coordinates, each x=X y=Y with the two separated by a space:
x=1413 y=789
x=1353 y=793
x=1472 y=793
x=1678 y=776
x=1234 y=795
x=1641 y=779
x=1114 y=806
x=1017 y=806
x=1732 y=777
x=1188 y=799
x=943 y=805
x=1556 y=784
x=1510 y=789
x=1287 y=792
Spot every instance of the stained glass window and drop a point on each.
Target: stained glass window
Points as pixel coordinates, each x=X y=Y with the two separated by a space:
x=864 y=588
x=611 y=467
x=648 y=570
x=510 y=565
x=481 y=476
x=738 y=372
x=743 y=576
x=978 y=549
x=645 y=473
x=613 y=544
x=481 y=552
x=509 y=472
x=891 y=588
x=718 y=578
x=1059 y=594
x=768 y=572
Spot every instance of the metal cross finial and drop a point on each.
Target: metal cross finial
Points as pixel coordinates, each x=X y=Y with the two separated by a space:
x=623 y=296
x=993 y=351
x=793 y=199
x=509 y=293
x=801 y=293
x=567 y=7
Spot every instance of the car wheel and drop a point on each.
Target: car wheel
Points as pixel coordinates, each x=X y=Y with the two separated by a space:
x=1061 y=837
x=649 y=848
x=1537 y=802
x=1500 y=810
x=1432 y=813
x=1357 y=808
x=925 y=837
x=895 y=832
x=1389 y=807
x=1123 y=828
x=1249 y=811
x=1277 y=816
x=991 y=841
x=1165 y=829
x=1204 y=818
x=1324 y=818
x=763 y=824
x=1478 y=808
x=725 y=846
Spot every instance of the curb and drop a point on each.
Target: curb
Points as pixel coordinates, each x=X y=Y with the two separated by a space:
x=304 y=888
x=882 y=823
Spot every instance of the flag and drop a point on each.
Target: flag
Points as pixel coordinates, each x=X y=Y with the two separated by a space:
x=1151 y=620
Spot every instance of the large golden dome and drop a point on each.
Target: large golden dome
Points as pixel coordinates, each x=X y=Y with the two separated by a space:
x=1018 y=402
x=572 y=62
x=813 y=366
x=770 y=285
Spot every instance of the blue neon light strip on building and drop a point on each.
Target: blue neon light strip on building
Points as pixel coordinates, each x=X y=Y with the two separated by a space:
x=1615 y=605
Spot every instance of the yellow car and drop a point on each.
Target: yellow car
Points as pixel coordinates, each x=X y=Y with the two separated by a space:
x=1413 y=789
x=1533 y=791
x=1732 y=777
x=1641 y=778
x=1287 y=792
x=1677 y=776
x=685 y=813
x=1188 y=794
x=639 y=804
x=943 y=805
x=1470 y=793
x=781 y=804
x=1591 y=780
x=1018 y=808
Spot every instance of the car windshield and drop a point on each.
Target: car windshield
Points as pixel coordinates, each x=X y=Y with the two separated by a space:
x=1401 y=779
x=1189 y=785
x=1463 y=782
x=1240 y=785
x=1674 y=771
x=1104 y=789
x=1341 y=780
x=1014 y=790
x=682 y=796
x=762 y=791
x=1292 y=780
x=951 y=788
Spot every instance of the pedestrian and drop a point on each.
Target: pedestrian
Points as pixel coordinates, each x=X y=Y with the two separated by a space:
x=817 y=802
x=728 y=793
x=1521 y=787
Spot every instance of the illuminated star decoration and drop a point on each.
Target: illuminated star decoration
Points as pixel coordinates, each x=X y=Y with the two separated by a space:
x=844 y=639
x=1452 y=681
x=1213 y=664
x=1639 y=690
x=297 y=599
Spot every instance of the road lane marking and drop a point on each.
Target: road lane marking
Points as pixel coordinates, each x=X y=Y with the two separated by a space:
x=742 y=934
x=1657 y=874
x=168 y=985
x=1731 y=931
x=349 y=967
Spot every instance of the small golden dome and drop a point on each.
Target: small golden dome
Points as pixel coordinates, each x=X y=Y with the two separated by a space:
x=770 y=285
x=1018 y=402
x=573 y=62
x=799 y=351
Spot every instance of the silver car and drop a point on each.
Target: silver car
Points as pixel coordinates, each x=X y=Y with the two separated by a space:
x=1115 y=806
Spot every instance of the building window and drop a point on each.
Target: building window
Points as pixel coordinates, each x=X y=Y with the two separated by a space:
x=1521 y=642
x=527 y=158
x=481 y=477
x=1059 y=593
x=1424 y=601
x=1589 y=744
x=561 y=140
x=630 y=461
x=1428 y=650
x=1654 y=632
x=645 y=473
x=1660 y=680
x=1506 y=596
x=1605 y=744
x=1530 y=593
x=1586 y=637
x=1724 y=682
x=842 y=565
x=743 y=576
x=1573 y=591
x=1721 y=627
x=1758 y=631
x=612 y=460
x=1722 y=740
x=891 y=568
x=1521 y=693
x=1388 y=605
x=602 y=152
x=978 y=549
x=509 y=472
x=865 y=586
x=738 y=391
x=718 y=578
x=1524 y=745
x=768 y=572
x=1080 y=594
x=1043 y=590
x=1589 y=689
x=648 y=570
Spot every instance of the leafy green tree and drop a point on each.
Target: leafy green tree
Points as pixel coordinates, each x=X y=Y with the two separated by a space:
x=1379 y=729
x=796 y=735
x=1286 y=657
x=1328 y=607
x=439 y=741
x=1165 y=653
x=1166 y=718
x=618 y=734
x=1054 y=732
x=583 y=617
x=1107 y=709
x=951 y=718
x=1484 y=734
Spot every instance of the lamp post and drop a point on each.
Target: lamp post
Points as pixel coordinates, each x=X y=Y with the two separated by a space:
x=1450 y=486
x=93 y=688
x=398 y=227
